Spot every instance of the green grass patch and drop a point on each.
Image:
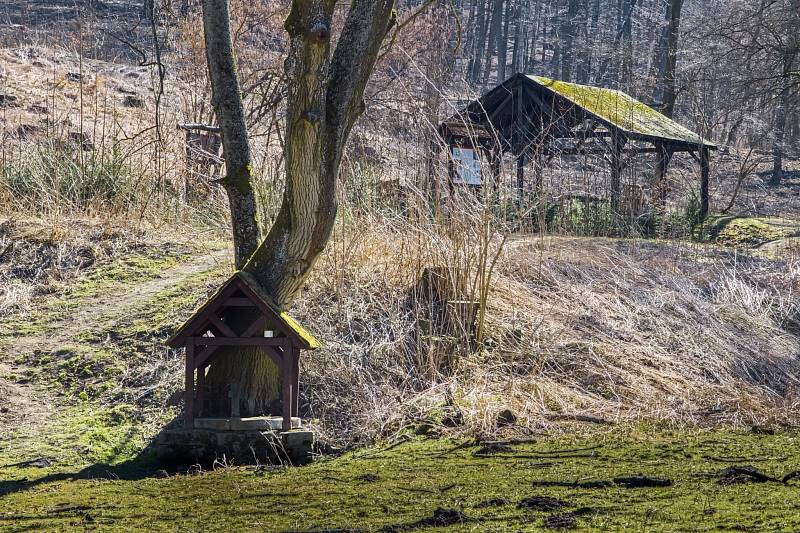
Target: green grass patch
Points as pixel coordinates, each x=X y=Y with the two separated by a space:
x=401 y=488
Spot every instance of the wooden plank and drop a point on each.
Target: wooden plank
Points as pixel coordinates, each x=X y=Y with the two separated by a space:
x=274 y=354
x=202 y=359
x=598 y=151
x=257 y=326
x=221 y=326
x=191 y=326
x=659 y=189
x=239 y=341
x=201 y=384
x=295 y=360
x=238 y=302
x=269 y=312
x=617 y=145
x=188 y=415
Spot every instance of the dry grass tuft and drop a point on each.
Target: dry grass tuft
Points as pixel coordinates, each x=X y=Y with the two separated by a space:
x=621 y=330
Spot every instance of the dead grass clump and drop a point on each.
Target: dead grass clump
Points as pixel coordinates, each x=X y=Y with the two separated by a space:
x=617 y=330
x=37 y=256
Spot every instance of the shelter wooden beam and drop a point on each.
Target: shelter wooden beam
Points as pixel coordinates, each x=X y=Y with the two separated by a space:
x=202 y=359
x=286 y=389
x=704 y=174
x=663 y=158
x=295 y=360
x=222 y=326
x=617 y=145
x=275 y=354
x=201 y=384
x=258 y=325
x=575 y=150
x=238 y=302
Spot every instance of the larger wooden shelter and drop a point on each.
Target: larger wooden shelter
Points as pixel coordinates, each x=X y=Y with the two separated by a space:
x=278 y=335
x=533 y=116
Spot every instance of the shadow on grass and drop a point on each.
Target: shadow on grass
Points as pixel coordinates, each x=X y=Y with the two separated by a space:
x=145 y=464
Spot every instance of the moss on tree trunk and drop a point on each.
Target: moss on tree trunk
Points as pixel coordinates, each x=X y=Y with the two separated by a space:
x=325 y=92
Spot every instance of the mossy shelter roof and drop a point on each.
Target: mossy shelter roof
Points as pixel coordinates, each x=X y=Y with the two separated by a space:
x=248 y=285
x=528 y=97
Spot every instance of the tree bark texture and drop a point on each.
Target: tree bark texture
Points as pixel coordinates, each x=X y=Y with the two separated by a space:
x=227 y=102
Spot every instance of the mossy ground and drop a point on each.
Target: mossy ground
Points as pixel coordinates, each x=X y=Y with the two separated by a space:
x=400 y=488
x=93 y=351
x=746 y=232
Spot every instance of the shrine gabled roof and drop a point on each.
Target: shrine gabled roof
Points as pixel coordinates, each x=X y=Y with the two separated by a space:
x=311 y=343
x=253 y=290
x=621 y=110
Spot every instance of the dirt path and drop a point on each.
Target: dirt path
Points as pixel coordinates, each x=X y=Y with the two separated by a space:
x=27 y=406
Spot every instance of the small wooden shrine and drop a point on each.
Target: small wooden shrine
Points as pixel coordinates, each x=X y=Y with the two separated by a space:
x=211 y=327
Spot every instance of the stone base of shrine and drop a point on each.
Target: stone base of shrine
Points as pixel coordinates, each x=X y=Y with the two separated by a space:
x=235 y=441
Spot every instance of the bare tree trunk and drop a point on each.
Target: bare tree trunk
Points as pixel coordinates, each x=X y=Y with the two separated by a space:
x=502 y=43
x=530 y=60
x=480 y=41
x=659 y=63
x=148 y=9
x=496 y=27
x=779 y=136
x=545 y=18
x=568 y=33
x=592 y=35
x=626 y=72
x=325 y=98
x=624 y=22
x=227 y=102
x=519 y=41
x=673 y=32
x=584 y=36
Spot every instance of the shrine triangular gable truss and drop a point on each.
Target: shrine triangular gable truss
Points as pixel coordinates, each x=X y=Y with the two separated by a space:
x=537 y=117
x=272 y=330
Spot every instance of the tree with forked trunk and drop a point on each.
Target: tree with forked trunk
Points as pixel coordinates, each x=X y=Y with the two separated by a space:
x=325 y=97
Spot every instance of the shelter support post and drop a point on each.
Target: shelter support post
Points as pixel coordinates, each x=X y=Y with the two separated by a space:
x=521 y=172
x=704 y=173
x=659 y=188
x=188 y=414
x=433 y=183
x=617 y=145
x=497 y=158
